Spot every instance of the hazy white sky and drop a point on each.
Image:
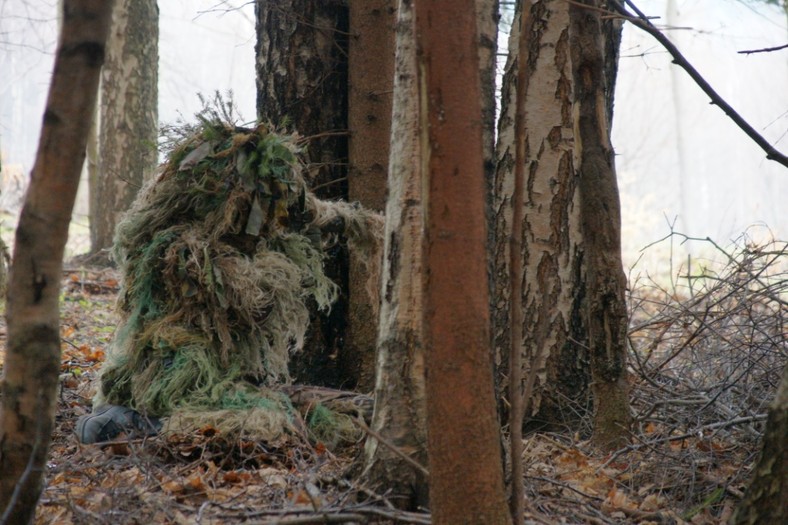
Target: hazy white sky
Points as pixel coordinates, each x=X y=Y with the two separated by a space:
x=678 y=156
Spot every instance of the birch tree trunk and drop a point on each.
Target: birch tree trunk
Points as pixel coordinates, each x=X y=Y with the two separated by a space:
x=466 y=474
x=32 y=360
x=552 y=248
x=554 y=292
x=128 y=118
x=400 y=402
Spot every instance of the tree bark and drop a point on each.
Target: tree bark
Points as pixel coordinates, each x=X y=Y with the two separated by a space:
x=487 y=29
x=128 y=118
x=302 y=83
x=466 y=474
x=32 y=360
x=764 y=501
x=552 y=246
x=370 y=78
x=551 y=242
x=600 y=223
x=400 y=398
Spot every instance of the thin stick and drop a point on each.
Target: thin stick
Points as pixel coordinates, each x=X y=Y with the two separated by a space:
x=421 y=468
x=764 y=50
x=516 y=414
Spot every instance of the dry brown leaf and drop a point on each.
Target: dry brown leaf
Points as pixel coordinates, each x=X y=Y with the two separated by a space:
x=196 y=483
x=652 y=502
x=172 y=487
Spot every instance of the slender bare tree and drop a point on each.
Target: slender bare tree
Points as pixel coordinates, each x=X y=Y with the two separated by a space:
x=400 y=402
x=32 y=361
x=370 y=78
x=600 y=224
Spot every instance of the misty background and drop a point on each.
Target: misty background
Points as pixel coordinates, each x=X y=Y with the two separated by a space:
x=680 y=160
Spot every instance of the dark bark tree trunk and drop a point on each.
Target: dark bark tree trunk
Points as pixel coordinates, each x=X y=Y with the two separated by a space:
x=466 y=474
x=128 y=119
x=370 y=77
x=400 y=403
x=766 y=497
x=302 y=82
x=32 y=361
x=600 y=224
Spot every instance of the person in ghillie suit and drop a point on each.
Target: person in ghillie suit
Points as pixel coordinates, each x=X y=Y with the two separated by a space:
x=220 y=256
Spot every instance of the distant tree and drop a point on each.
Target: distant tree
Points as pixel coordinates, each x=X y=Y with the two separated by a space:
x=127 y=123
x=32 y=360
x=466 y=474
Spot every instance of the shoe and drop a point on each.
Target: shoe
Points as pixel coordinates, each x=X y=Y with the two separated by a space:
x=109 y=421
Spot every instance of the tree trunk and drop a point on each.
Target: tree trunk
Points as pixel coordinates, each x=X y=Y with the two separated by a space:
x=466 y=475
x=764 y=501
x=600 y=224
x=400 y=398
x=551 y=245
x=32 y=360
x=128 y=118
x=302 y=83
x=301 y=50
x=370 y=76
x=487 y=28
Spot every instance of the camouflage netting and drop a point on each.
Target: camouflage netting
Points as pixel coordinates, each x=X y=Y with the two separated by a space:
x=220 y=256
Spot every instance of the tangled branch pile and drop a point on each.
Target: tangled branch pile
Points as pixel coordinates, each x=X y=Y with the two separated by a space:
x=221 y=256
x=708 y=357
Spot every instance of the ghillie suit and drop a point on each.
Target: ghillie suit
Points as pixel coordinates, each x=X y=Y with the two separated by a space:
x=221 y=255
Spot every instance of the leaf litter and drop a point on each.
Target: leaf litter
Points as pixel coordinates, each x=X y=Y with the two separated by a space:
x=696 y=437
x=666 y=476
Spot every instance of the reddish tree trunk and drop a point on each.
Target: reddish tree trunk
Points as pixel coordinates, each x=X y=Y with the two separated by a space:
x=370 y=78
x=466 y=475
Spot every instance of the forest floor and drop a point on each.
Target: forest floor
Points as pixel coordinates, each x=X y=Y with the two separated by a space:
x=689 y=460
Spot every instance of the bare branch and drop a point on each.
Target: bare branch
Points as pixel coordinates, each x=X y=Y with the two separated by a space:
x=642 y=22
x=764 y=50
